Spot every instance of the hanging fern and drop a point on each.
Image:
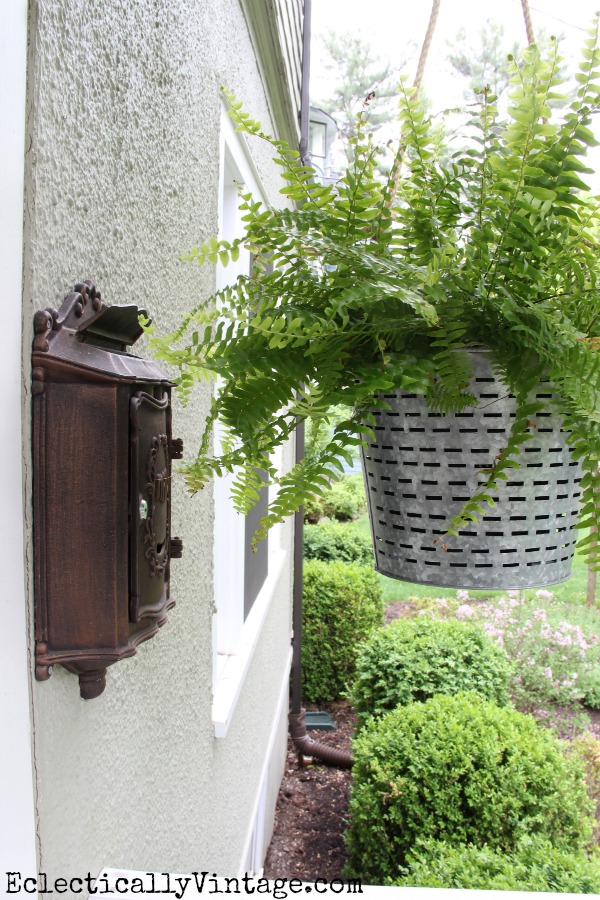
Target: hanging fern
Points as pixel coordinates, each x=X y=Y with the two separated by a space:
x=353 y=295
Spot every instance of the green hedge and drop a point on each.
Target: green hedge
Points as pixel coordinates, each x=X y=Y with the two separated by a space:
x=333 y=542
x=535 y=865
x=343 y=602
x=345 y=499
x=413 y=659
x=313 y=510
x=464 y=771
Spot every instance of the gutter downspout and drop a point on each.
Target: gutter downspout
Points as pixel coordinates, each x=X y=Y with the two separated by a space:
x=305 y=85
x=304 y=744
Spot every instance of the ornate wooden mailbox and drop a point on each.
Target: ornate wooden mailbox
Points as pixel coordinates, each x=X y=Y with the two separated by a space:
x=102 y=452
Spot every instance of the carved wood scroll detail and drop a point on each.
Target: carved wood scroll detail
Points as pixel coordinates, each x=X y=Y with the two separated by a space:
x=157 y=489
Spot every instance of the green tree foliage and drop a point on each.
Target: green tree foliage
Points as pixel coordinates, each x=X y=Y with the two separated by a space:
x=463 y=771
x=321 y=431
x=345 y=500
x=487 y=62
x=484 y=63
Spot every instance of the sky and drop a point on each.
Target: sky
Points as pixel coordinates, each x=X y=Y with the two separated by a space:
x=390 y=25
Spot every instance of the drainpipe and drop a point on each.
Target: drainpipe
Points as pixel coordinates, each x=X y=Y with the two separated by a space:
x=296 y=687
x=305 y=85
x=304 y=744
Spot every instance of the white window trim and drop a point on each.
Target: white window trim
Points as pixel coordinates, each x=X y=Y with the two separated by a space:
x=235 y=640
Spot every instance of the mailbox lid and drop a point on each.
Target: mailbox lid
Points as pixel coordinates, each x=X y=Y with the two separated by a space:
x=86 y=334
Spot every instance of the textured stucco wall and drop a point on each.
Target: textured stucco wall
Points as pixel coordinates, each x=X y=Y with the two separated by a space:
x=122 y=175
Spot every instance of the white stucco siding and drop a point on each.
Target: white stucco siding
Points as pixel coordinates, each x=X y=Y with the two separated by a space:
x=123 y=129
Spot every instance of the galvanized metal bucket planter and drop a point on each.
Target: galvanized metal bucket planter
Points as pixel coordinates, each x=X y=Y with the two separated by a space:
x=423 y=466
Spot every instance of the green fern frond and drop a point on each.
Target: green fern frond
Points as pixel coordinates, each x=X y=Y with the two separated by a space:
x=351 y=294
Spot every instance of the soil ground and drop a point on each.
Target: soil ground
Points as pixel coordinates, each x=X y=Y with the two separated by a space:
x=312 y=809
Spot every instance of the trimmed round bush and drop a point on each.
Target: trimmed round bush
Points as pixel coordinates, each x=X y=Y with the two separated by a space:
x=464 y=771
x=345 y=499
x=413 y=659
x=535 y=865
x=313 y=510
x=334 y=542
x=343 y=602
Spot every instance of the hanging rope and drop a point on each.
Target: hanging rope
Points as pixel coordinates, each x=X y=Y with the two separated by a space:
x=397 y=164
x=528 y=25
x=427 y=44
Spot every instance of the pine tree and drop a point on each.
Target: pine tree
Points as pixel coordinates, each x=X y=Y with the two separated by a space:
x=362 y=82
x=485 y=64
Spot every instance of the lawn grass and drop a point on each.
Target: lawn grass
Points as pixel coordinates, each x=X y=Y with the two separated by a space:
x=571 y=592
x=565 y=603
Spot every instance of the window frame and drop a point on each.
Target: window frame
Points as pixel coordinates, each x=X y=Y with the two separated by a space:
x=235 y=637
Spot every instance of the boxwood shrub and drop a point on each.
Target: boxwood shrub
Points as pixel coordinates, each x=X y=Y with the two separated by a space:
x=343 y=602
x=313 y=510
x=535 y=865
x=345 y=499
x=413 y=659
x=332 y=541
x=461 y=770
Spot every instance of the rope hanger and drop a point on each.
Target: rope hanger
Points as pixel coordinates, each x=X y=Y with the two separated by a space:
x=397 y=164
x=431 y=28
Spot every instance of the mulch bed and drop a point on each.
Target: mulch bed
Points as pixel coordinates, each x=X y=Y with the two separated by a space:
x=312 y=809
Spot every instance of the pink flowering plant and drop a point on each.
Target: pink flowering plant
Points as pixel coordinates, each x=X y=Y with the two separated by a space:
x=554 y=659
x=439 y=607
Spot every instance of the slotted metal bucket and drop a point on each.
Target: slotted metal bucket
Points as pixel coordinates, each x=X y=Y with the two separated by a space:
x=421 y=468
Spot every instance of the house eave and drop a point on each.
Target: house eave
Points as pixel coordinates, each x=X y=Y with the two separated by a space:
x=278 y=51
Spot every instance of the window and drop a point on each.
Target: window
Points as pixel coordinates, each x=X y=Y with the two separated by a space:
x=244 y=579
x=317 y=140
